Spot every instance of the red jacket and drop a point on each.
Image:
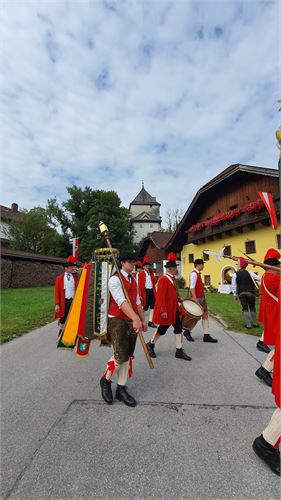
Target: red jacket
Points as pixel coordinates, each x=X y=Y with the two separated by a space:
x=276 y=366
x=59 y=294
x=166 y=301
x=141 y=285
x=269 y=312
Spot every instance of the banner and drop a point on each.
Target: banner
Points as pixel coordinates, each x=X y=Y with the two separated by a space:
x=268 y=202
x=75 y=247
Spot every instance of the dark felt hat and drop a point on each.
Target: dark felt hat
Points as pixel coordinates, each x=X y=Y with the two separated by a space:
x=127 y=256
x=172 y=260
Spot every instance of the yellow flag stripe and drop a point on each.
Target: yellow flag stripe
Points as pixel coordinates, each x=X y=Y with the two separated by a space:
x=71 y=327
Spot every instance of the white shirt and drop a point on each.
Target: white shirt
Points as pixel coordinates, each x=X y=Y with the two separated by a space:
x=254 y=276
x=116 y=290
x=69 y=286
x=193 y=278
x=148 y=282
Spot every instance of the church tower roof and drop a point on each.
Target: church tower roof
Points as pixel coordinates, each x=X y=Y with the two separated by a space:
x=144 y=198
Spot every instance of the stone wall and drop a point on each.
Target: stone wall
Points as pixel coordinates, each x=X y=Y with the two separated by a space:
x=17 y=273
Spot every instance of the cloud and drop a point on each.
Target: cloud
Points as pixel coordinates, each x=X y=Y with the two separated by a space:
x=108 y=93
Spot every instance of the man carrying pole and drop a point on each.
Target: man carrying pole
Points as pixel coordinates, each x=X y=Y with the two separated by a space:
x=125 y=321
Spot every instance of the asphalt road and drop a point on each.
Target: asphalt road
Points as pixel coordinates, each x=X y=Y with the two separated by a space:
x=189 y=437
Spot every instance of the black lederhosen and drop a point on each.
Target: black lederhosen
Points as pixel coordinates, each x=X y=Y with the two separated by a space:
x=177 y=326
x=150 y=299
x=67 y=304
x=122 y=337
x=247 y=299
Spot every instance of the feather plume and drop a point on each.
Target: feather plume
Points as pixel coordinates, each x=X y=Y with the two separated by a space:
x=146 y=260
x=172 y=256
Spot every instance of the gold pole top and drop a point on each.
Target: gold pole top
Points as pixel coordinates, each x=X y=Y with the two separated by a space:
x=103 y=227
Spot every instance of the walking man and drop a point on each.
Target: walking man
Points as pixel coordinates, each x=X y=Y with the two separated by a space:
x=65 y=286
x=167 y=311
x=125 y=321
x=243 y=287
x=197 y=294
x=146 y=287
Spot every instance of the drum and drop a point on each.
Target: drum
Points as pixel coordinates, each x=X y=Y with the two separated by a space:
x=191 y=313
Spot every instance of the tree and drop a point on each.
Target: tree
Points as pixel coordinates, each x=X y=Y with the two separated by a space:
x=33 y=232
x=173 y=218
x=82 y=213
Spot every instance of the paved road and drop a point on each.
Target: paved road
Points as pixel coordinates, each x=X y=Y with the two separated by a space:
x=189 y=437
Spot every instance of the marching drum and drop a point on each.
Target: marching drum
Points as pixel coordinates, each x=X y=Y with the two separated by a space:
x=191 y=313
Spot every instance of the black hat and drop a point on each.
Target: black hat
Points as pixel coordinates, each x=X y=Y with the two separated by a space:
x=127 y=256
x=172 y=260
x=197 y=262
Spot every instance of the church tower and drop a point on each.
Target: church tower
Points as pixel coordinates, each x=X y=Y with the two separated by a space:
x=145 y=215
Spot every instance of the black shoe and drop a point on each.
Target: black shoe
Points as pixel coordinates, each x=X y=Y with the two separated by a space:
x=266 y=452
x=150 y=348
x=187 y=335
x=180 y=354
x=264 y=375
x=256 y=326
x=106 y=391
x=263 y=347
x=248 y=327
x=151 y=324
x=208 y=338
x=123 y=395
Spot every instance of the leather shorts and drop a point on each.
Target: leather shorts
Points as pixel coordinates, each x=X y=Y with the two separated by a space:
x=122 y=337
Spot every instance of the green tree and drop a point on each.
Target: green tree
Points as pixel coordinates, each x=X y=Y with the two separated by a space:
x=34 y=232
x=82 y=212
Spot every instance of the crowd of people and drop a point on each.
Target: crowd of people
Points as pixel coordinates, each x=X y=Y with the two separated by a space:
x=138 y=301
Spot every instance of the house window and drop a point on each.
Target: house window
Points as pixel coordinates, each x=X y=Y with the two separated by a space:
x=227 y=250
x=190 y=258
x=206 y=256
x=207 y=280
x=278 y=241
x=151 y=225
x=140 y=225
x=183 y=260
x=250 y=246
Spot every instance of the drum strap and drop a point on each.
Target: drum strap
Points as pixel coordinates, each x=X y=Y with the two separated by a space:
x=269 y=293
x=170 y=279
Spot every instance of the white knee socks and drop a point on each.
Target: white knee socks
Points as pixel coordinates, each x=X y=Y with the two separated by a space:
x=272 y=432
x=268 y=364
x=178 y=338
x=123 y=373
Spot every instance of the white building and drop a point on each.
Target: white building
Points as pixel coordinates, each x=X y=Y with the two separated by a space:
x=145 y=215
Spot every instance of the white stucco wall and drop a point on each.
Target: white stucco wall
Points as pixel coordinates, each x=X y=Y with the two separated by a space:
x=143 y=228
x=4 y=230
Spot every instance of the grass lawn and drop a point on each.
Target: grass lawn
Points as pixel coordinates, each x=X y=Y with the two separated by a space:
x=229 y=310
x=23 y=309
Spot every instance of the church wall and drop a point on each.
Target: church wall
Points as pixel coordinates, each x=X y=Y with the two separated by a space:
x=143 y=228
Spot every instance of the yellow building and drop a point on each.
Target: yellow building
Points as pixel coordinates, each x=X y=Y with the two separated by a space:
x=227 y=212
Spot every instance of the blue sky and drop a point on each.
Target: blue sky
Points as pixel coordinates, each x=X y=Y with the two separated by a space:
x=110 y=93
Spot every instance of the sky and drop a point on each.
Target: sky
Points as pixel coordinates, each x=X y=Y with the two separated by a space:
x=112 y=93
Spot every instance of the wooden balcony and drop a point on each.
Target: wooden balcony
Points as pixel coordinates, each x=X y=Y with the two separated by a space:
x=243 y=221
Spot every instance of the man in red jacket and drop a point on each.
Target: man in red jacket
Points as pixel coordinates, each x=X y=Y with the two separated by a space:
x=166 y=311
x=146 y=287
x=65 y=289
x=125 y=321
x=269 y=311
x=266 y=445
